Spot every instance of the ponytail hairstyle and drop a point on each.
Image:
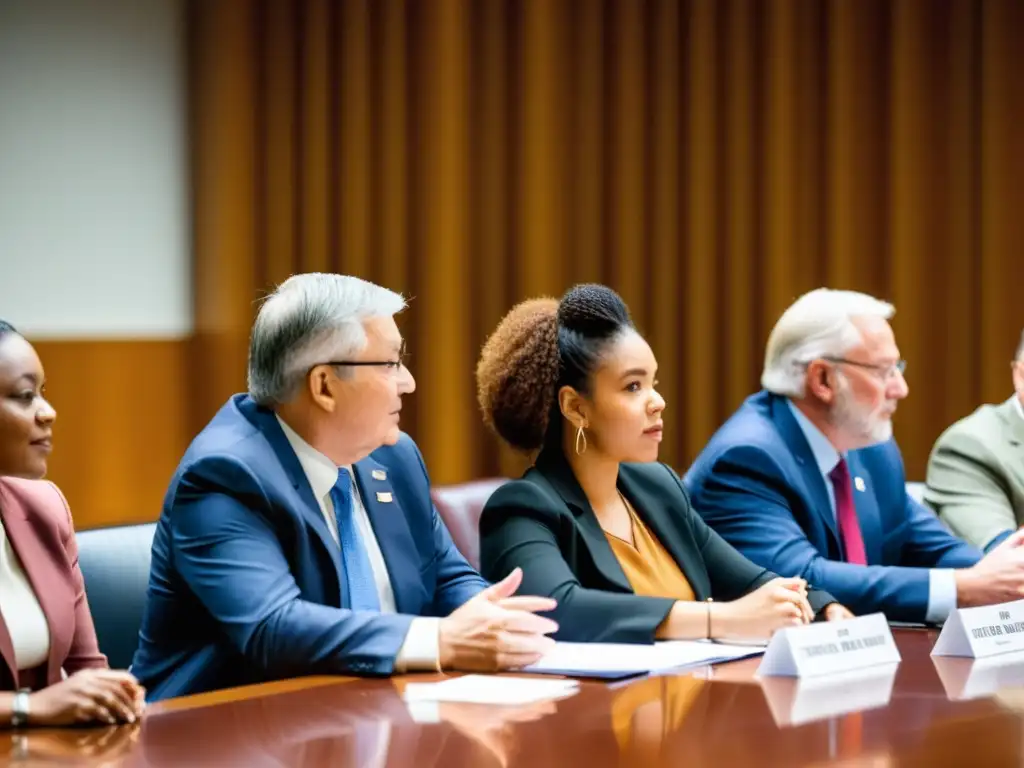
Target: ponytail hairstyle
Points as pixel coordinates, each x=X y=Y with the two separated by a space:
x=540 y=346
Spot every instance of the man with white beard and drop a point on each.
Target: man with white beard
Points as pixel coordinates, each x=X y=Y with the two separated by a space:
x=806 y=480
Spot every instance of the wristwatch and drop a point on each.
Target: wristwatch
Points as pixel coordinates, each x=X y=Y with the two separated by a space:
x=19 y=708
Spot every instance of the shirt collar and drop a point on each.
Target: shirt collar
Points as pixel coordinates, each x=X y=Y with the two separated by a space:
x=321 y=472
x=1017 y=404
x=825 y=454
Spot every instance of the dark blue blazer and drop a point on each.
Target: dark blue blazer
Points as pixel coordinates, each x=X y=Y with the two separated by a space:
x=757 y=484
x=247 y=583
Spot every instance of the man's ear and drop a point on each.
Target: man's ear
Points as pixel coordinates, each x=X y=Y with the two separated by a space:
x=573 y=406
x=320 y=383
x=820 y=381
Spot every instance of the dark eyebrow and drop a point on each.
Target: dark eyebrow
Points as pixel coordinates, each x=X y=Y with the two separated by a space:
x=634 y=372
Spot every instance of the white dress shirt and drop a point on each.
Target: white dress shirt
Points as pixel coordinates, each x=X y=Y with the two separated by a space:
x=1020 y=407
x=941 y=581
x=420 y=651
x=24 y=617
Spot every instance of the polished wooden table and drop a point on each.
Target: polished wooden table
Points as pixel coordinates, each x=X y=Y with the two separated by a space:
x=721 y=716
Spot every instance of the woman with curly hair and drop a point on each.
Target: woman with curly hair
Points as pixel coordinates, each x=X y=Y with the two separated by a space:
x=598 y=523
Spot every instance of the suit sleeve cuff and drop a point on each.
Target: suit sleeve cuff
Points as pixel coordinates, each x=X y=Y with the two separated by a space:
x=421 y=650
x=941 y=594
x=996 y=540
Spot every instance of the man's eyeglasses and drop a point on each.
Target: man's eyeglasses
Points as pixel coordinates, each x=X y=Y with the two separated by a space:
x=391 y=365
x=885 y=372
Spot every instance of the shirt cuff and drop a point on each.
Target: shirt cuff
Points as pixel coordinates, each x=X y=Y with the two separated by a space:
x=421 y=651
x=996 y=540
x=941 y=594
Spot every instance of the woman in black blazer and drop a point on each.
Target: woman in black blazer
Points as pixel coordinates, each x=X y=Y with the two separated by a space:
x=597 y=523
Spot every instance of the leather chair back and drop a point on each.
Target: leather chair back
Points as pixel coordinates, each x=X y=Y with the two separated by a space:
x=115 y=566
x=460 y=507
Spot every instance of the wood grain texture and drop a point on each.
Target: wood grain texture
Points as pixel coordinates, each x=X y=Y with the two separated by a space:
x=123 y=422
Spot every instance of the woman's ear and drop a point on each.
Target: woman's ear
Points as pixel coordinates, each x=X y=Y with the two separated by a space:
x=572 y=406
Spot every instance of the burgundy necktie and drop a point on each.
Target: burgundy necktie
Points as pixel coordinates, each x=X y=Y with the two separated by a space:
x=846 y=515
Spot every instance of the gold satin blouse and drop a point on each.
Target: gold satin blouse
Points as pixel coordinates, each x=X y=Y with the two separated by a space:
x=648 y=566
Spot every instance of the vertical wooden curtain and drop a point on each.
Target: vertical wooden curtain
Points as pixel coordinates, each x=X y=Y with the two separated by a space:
x=709 y=159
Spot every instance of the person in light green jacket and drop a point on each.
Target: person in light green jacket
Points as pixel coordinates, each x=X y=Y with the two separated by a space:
x=976 y=469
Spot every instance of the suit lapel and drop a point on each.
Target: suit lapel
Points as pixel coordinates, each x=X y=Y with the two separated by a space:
x=393 y=535
x=1013 y=431
x=1010 y=414
x=555 y=469
x=654 y=507
x=6 y=644
x=600 y=550
x=265 y=420
x=866 y=504
x=45 y=577
x=814 y=483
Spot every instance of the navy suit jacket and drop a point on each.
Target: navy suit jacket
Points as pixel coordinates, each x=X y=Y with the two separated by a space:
x=757 y=484
x=247 y=583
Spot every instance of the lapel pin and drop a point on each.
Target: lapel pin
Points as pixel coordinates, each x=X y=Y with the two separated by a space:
x=384 y=498
x=858 y=483
x=379 y=474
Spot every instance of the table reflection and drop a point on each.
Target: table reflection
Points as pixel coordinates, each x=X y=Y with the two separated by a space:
x=795 y=701
x=965 y=679
x=724 y=716
x=646 y=712
x=351 y=724
x=101 y=747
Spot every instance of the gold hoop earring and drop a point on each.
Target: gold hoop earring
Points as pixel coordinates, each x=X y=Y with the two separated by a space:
x=580 y=435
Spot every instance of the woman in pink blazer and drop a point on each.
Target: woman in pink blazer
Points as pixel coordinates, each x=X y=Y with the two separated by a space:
x=51 y=670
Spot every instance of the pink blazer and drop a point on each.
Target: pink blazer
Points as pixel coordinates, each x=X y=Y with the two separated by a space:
x=36 y=517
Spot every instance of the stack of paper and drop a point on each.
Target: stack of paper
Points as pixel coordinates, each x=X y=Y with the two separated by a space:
x=619 y=660
x=484 y=689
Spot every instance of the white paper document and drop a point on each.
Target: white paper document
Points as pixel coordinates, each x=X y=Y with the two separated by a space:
x=488 y=689
x=615 y=660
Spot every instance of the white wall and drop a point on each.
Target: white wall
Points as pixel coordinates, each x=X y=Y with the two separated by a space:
x=94 y=230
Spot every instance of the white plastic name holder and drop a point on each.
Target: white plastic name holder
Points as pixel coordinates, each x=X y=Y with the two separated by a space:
x=980 y=632
x=833 y=646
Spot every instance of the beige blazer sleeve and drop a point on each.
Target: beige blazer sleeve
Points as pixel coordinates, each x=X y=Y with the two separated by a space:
x=971 y=483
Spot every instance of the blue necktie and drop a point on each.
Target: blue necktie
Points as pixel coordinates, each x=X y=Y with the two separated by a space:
x=362 y=589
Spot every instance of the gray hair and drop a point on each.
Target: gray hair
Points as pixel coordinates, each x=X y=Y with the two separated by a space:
x=310 y=319
x=818 y=324
x=1019 y=357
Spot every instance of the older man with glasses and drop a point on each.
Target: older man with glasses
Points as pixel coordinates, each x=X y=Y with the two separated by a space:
x=298 y=536
x=806 y=480
x=976 y=470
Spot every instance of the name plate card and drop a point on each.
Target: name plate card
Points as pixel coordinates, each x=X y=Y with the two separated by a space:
x=828 y=647
x=985 y=631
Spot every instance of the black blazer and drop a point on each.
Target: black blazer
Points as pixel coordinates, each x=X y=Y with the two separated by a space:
x=544 y=524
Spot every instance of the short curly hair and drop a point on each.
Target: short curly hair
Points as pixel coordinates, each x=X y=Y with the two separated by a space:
x=540 y=346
